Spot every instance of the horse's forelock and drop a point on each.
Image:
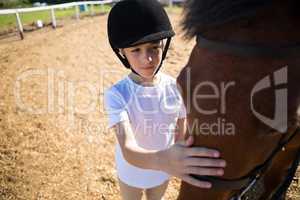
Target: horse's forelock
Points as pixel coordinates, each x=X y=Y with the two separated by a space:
x=203 y=14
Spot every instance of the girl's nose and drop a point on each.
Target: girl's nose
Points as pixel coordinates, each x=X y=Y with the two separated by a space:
x=149 y=58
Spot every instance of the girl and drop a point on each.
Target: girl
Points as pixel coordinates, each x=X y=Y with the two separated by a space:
x=145 y=108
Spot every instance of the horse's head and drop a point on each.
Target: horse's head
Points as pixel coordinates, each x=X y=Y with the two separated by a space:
x=241 y=83
x=240 y=45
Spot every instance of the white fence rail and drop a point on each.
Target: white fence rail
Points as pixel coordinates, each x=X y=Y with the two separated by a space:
x=65 y=5
x=52 y=8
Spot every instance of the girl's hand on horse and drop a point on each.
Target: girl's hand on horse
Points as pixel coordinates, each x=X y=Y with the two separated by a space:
x=181 y=159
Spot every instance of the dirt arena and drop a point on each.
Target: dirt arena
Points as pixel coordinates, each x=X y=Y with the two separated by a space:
x=54 y=140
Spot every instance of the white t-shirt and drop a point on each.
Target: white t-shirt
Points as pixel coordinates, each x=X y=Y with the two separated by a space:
x=152 y=112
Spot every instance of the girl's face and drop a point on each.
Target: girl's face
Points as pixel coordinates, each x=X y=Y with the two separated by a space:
x=144 y=58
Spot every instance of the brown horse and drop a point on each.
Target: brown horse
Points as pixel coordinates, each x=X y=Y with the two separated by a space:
x=241 y=87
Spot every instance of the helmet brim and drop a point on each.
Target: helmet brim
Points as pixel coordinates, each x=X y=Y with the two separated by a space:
x=149 y=38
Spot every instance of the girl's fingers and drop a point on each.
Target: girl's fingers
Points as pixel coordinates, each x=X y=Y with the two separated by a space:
x=202 y=152
x=204 y=162
x=204 y=171
x=195 y=182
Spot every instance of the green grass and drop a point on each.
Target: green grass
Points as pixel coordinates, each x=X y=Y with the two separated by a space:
x=7 y=21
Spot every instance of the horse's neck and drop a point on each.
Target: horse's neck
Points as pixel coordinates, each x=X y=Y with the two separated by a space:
x=251 y=136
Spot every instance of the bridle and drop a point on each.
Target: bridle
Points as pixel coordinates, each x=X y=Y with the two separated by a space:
x=244 y=184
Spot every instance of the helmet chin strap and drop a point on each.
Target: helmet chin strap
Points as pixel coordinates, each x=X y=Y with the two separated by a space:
x=127 y=65
x=166 y=48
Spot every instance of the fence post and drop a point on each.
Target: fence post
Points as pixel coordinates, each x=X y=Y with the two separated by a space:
x=20 y=27
x=53 y=18
x=92 y=10
x=77 y=12
x=86 y=8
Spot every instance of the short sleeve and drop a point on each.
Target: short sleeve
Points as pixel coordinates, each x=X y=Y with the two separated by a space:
x=115 y=107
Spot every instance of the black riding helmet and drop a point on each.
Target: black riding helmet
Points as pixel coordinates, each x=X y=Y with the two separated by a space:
x=134 y=22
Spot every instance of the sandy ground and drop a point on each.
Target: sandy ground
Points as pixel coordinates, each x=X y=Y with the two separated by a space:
x=54 y=140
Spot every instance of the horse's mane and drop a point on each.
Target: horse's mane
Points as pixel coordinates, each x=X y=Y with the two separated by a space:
x=200 y=15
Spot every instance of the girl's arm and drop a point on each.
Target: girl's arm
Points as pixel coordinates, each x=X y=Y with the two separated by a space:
x=179 y=160
x=135 y=155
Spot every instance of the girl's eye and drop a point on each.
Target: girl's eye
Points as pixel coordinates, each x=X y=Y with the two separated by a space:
x=135 y=50
x=154 y=49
